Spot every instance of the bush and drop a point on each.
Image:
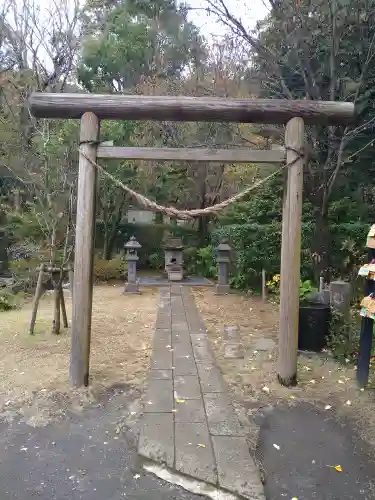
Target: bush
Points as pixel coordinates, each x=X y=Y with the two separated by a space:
x=206 y=265
x=156 y=260
x=106 y=270
x=190 y=255
x=7 y=301
x=305 y=287
x=200 y=261
x=344 y=335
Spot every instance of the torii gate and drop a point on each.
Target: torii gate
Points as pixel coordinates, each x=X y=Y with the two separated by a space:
x=91 y=108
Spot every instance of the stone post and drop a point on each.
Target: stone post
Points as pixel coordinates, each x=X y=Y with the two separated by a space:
x=340 y=296
x=132 y=246
x=4 y=263
x=223 y=259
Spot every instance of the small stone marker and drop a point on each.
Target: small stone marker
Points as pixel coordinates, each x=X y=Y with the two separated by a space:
x=233 y=347
x=340 y=296
x=132 y=285
x=223 y=259
x=264 y=344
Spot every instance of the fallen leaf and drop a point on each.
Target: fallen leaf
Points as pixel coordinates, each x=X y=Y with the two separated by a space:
x=180 y=401
x=312 y=381
x=200 y=445
x=361 y=389
x=292 y=396
x=341 y=381
x=336 y=467
x=276 y=446
x=327 y=407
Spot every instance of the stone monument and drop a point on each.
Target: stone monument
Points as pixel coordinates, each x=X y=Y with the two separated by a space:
x=173 y=258
x=223 y=251
x=132 y=247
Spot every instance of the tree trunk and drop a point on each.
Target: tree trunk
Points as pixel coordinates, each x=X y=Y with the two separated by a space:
x=321 y=246
x=203 y=231
x=56 y=315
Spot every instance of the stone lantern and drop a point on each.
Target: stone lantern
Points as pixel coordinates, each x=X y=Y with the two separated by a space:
x=223 y=251
x=132 y=247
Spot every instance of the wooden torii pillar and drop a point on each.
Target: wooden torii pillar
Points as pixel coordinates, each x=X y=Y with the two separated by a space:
x=91 y=108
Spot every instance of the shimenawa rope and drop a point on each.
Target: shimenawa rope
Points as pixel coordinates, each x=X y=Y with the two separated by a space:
x=148 y=204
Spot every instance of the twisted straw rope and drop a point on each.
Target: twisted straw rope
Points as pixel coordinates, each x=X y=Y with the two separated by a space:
x=190 y=214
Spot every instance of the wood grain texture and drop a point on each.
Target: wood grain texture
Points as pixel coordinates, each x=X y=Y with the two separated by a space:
x=181 y=108
x=37 y=296
x=63 y=308
x=84 y=252
x=193 y=155
x=291 y=256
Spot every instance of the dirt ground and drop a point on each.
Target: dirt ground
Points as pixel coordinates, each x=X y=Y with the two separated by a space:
x=252 y=380
x=34 y=369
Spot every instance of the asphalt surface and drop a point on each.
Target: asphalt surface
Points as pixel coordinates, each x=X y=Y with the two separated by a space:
x=310 y=442
x=83 y=457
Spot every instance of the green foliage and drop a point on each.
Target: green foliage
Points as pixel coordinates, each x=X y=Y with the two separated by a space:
x=200 y=262
x=25 y=227
x=141 y=39
x=344 y=335
x=107 y=270
x=150 y=236
x=157 y=260
x=305 y=287
x=8 y=301
x=206 y=265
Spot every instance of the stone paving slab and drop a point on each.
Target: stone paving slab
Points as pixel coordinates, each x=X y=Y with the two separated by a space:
x=190 y=411
x=211 y=378
x=156 y=441
x=163 y=335
x=196 y=430
x=222 y=419
x=159 y=396
x=236 y=469
x=160 y=374
x=162 y=357
x=183 y=365
x=202 y=350
x=187 y=387
x=194 y=453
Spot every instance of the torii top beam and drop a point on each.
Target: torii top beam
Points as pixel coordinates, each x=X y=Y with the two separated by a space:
x=180 y=108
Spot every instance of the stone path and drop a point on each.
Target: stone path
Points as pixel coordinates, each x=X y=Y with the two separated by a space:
x=189 y=423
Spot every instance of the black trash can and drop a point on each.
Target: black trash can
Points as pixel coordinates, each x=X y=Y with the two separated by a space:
x=313 y=331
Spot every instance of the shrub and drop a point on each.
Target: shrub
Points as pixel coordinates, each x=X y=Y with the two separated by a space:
x=106 y=270
x=305 y=287
x=190 y=255
x=7 y=301
x=206 y=265
x=156 y=260
x=344 y=335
